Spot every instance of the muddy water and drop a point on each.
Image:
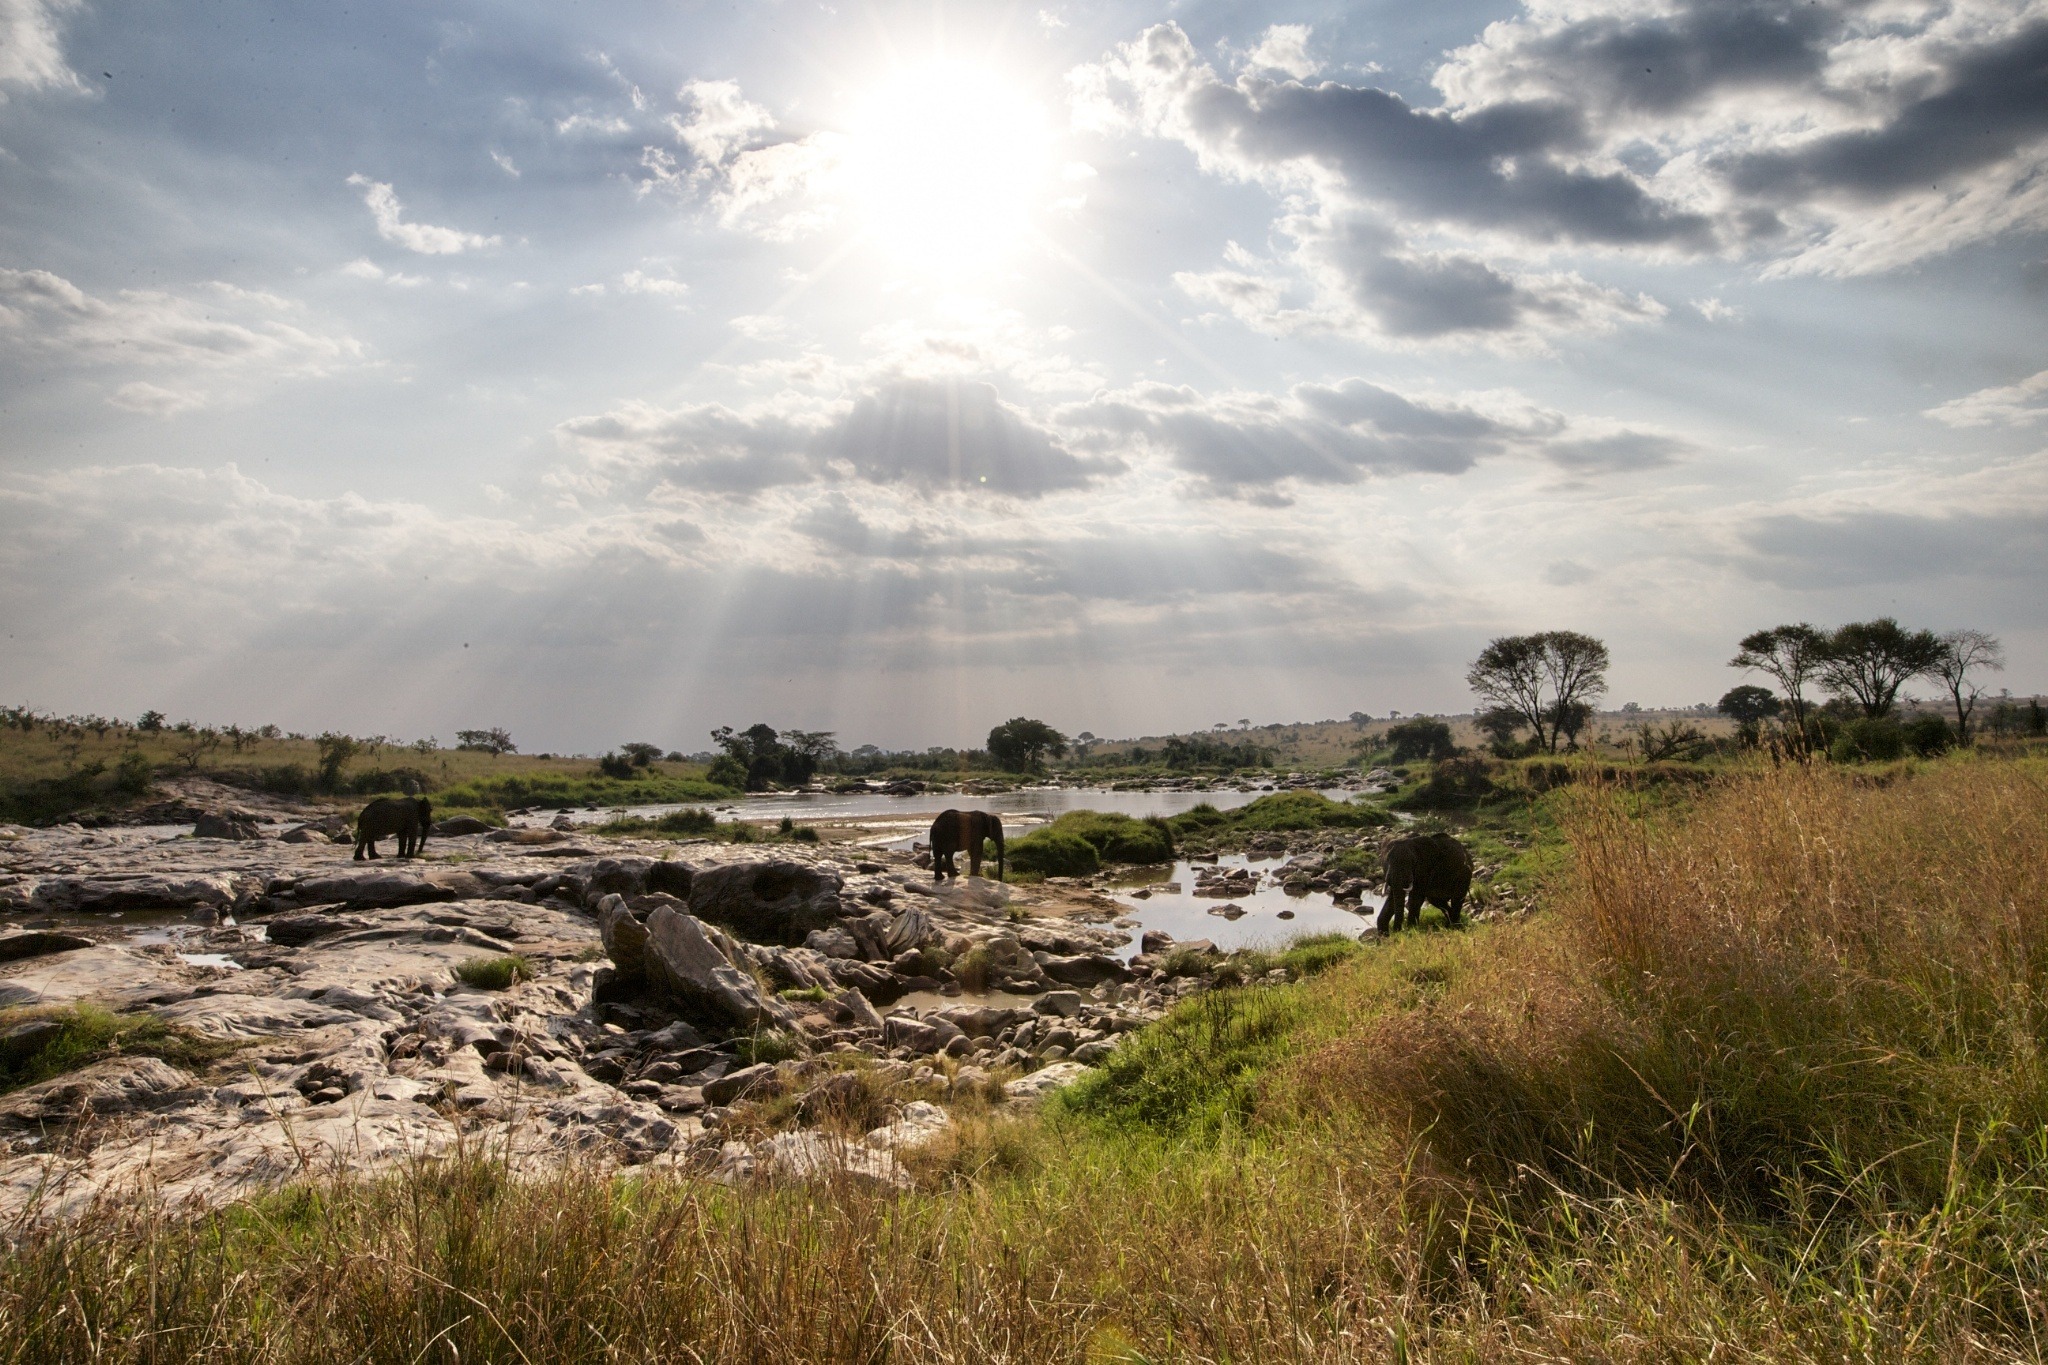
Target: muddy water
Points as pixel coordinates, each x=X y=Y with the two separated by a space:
x=1188 y=916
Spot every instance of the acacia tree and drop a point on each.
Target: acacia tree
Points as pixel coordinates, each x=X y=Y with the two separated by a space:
x=1021 y=744
x=1789 y=655
x=1542 y=678
x=1749 y=706
x=1869 y=661
x=1962 y=652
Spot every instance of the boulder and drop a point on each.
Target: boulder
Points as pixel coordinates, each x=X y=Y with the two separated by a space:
x=811 y=1155
x=684 y=959
x=381 y=890
x=625 y=940
x=612 y=877
x=769 y=902
x=1087 y=969
x=143 y=891
x=291 y=931
x=228 y=824
x=1155 y=941
x=526 y=837
x=38 y=943
x=1035 y=1087
x=832 y=941
x=671 y=877
x=456 y=825
x=112 y=1086
x=24 y=1041
x=1065 y=1004
x=757 y=1082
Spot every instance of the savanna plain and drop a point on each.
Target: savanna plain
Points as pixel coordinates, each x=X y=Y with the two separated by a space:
x=1759 y=1076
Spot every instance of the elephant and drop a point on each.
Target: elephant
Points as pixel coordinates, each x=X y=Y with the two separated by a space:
x=405 y=816
x=958 y=829
x=1431 y=868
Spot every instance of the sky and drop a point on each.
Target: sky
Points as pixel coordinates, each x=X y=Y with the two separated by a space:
x=621 y=370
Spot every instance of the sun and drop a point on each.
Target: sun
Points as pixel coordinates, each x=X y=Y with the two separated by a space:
x=947 y=163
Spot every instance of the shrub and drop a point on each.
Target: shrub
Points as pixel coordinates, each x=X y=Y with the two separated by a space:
x=1302 y=810
x=1052 y=852
x=132 y=774
x=494 y=973
x=689 y=820
x=727 y=771
x=1420 y=738
x=1456 y=783
x=1928 y=735
x=616 y=766
x=1115 y=838
x=1869 y=739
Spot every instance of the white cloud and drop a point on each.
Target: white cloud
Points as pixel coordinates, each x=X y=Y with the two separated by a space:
x=504 y=163
x=2012 y=405
x=1284 y=48
x=1714 y=310
x=31 y=50
x=363 y=268
x=232 y=336
x=424 y=238
x=639 y=282
x=721 y=121
x=154 y=400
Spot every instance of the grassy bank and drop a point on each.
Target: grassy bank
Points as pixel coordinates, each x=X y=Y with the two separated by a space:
x=1763 y=1082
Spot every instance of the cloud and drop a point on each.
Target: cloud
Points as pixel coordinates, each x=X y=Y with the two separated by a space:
x=774 y=187
x=1857 y=549
x=2013 y=405
x=721 y=120
x=1283 y=48
x=639 y=282
x=424 y=238
x=1242 y=442
x=363 y=268
x=926 y=435
x=1618 y=452
x=231 y=335
x=31 y=48
x=1835 y=137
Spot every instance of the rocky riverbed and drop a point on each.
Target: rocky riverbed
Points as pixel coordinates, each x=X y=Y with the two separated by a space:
x=701 y=1006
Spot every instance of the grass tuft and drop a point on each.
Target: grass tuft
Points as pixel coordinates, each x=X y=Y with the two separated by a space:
x=494 y=973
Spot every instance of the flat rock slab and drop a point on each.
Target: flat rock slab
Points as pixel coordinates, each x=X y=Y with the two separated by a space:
x=1035 y=1087
x=105 y=972
x=113 y=1086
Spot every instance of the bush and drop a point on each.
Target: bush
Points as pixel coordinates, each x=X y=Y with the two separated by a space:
x=615 y=765
x=689 y=820
x=1115 y=838
x=727 y=771
x=1869 y=739
x=1051 y=852
x=1420 y=738
x=772 y=1046
x=1928 y=735
x=1289 y=811
x=132 y=774
x=494 y=973
x=1455 y=784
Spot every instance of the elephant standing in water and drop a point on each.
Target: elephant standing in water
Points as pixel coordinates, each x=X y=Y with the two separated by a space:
x=405 y=816
x=958 y=829
x=1432 y=868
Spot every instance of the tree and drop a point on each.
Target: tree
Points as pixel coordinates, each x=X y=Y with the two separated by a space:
x=615 y=765
x=493 y=741
x=1749 y=706
x=151 y=721
x=639 y=754
x=1962 y=652
x=1502 y=727
x=1540 y=676
x=1570 y=721
x=1790 y=655
x=1869 y=661
x=1420 y=738
x=1020 y=745
x=335 y=750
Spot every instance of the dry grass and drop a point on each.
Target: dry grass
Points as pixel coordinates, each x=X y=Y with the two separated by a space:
x=1765 y=1085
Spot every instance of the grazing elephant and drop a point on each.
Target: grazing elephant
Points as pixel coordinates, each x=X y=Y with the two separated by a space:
x=405 y=816
x=1432 y=868
x=958 y=829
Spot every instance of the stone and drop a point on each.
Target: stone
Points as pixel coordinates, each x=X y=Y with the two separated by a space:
x=837 y=1093
x=625 y=940
x=833 y=941
x=779 y=901
x=1065 y=1004
x=39 y=943
x=457 y=825
x=379 y=890
x=1231 y=911
x=1084 y=969
x=292 y=931
x=683 y=959
x=1092 y=1052
x=821 y=1156
x=920 y=1123
x=228 y=824
x=756 y=1082
x=857 y=1007
x=1155 y=941
x=1035 y=1087
x=533 y=838
x=109 y=1087
x=24 y=1041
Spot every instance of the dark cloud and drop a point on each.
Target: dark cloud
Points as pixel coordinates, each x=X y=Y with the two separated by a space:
x=1894 y=547
x=955 y=434
x=1318 y=434
x=1990 y=104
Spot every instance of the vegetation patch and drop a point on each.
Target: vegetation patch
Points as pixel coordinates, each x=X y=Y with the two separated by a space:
x=38 y=1044
x=1052 y=851
x=494 y=973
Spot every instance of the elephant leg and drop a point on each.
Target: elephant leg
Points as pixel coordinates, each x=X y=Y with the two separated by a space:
x=1390 y=913
x=973 y=858
x=359 y=849
x=1454 y=909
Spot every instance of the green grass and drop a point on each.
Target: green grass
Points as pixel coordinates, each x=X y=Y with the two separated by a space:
x=1280 y=812
x=1053 y=852
x=89 y=1033
x=494 y=973
x=771 y=1046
